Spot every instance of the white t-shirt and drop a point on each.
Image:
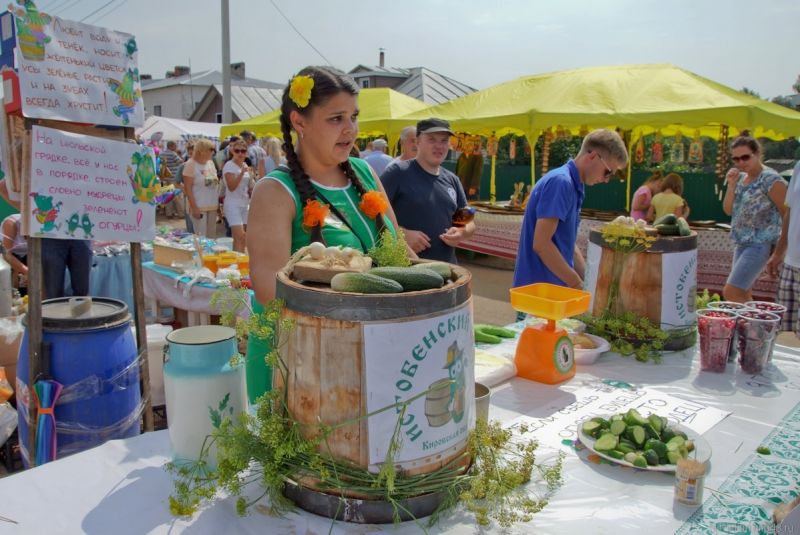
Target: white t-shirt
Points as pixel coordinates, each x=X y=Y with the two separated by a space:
x=239 y=195
x=793 y=202
x=205 y=187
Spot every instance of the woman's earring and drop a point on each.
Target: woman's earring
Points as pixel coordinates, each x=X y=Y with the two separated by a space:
x=301 y=135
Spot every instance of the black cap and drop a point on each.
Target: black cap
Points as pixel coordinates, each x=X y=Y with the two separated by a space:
x=432 y=125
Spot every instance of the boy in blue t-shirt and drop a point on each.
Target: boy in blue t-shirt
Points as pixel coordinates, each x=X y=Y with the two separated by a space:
x=547 y=251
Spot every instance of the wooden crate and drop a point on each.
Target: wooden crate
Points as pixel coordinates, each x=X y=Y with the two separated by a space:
x=165 y=255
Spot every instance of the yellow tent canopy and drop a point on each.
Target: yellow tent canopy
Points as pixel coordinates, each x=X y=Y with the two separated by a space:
x=381 y=110
x=640 y=98
x=631 y=97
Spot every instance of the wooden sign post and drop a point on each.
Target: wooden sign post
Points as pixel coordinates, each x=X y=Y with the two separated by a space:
x=75 y=180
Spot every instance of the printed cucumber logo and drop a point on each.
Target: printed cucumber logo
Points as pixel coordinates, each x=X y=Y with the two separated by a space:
x=564 y=355
x=46 y=212
x=446 y=398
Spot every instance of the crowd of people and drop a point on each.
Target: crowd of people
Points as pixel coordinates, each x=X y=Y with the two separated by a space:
x=277 y=195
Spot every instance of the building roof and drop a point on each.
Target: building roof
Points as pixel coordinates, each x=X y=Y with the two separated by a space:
x=421 y=83
x=206 y=78
x=246 y=102
x=372 y=70
x=431 y=87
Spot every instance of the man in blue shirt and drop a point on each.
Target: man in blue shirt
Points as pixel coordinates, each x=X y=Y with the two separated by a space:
x=547 y=251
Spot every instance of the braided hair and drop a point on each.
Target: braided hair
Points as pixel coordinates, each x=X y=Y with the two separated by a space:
x=327 y=83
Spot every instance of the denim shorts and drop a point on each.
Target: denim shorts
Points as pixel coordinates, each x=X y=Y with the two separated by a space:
x=749 y=261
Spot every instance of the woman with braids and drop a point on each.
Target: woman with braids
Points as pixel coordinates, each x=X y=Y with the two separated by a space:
x=322 y=194
x=755 y=200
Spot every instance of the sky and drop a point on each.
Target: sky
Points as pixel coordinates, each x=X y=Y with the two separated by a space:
x=739 y=43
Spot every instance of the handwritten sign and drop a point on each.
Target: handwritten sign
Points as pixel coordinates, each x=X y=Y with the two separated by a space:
x=601 y=398
x=85 y=187
x=70 y=71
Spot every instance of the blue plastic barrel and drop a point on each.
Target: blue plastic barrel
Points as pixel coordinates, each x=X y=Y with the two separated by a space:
x=94 y=357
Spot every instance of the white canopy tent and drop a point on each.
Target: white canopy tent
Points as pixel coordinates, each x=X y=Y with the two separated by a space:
x=162 y=129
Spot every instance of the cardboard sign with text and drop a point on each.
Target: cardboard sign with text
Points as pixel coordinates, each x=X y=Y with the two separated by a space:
x=76 y=72
x=85 y=187
x=433 y=359
x=604 y=398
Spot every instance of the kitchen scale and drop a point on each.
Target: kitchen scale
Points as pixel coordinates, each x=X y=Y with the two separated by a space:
x=544 y=352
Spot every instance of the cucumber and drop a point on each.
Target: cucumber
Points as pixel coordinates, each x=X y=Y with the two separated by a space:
x=651 y=431
x=683 y=227
x=364 y=283
x=640 y=462
x=616 y=454
x=606 y=442
x=689 y=445
x=590 y=428
x=669 y=219
x=618 y=427
x=411 y=279
x=656 y=422
x=494 y=330
x=633 y=417
x=630 y=456
x=651 y=457
x=442 y=268
x=657 y=446
x=625 y=447
x=485 y=337
x=673 y=457
x=667 y=230
x=678 y=440
x=636 y=434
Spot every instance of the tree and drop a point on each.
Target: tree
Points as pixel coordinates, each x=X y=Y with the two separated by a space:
x=796 y=85
x=751 y=92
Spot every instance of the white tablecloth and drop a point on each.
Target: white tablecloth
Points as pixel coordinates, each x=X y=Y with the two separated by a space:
x=121 y=487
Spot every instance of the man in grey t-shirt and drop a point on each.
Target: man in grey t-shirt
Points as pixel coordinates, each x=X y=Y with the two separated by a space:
x=425 y=196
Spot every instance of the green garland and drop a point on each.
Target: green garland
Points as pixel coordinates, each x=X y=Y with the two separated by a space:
x=271 y=448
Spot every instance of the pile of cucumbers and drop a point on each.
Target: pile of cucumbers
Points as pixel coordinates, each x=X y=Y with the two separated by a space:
x=491 y=334
x=670 y=225
x=388 y=280
x=637 y=440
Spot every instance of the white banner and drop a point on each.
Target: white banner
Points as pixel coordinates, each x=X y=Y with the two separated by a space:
x=432 y=358
x=85 y=187
x=593 y=254
x=678 y=288
x=70 y=71
x=604 y=398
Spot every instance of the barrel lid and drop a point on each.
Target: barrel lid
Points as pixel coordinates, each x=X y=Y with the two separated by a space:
x=57 y=314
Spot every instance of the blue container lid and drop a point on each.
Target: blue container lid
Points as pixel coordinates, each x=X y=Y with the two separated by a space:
x=80 y=313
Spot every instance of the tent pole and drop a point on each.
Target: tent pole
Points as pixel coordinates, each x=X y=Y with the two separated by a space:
x=492 y=182
x=532 y=140
x=628 y=187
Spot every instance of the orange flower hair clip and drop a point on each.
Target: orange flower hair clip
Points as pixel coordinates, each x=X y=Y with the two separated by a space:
x=314 y=214
x=300 y=90
x=373 y=204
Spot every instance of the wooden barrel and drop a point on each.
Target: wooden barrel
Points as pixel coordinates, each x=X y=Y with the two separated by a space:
x=660 y=284
x=350 y=355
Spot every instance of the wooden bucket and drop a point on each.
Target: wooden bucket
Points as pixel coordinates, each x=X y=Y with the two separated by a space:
x=352 y=354
x=660 y=284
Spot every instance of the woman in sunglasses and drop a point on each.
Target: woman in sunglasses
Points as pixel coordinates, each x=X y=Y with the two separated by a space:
x=755 y=202
x=237 y=174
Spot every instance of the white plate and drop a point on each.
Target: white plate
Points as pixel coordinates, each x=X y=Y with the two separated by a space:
x=701 y=453
x=588 y=356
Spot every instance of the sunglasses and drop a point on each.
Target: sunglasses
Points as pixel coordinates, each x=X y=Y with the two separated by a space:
x=240 y=151
x=609 y=171
x=742 y=158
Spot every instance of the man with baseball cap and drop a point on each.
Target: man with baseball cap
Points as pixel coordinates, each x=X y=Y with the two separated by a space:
x=425 y=195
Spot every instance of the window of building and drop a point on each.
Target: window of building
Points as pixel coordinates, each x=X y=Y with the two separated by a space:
x=219 y=118
x=157 y=110
x=365 y=83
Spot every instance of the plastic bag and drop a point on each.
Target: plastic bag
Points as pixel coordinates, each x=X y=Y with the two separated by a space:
x=8 y=422
x=6 y=390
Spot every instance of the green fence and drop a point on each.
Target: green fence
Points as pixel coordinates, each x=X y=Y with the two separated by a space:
x=699 y=190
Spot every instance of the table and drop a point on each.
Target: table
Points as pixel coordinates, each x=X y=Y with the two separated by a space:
x=121 y=487
x=163 y=286
x=498 y=234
